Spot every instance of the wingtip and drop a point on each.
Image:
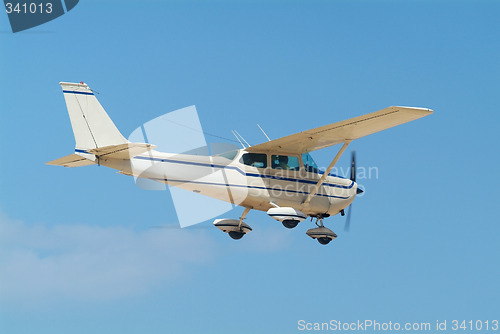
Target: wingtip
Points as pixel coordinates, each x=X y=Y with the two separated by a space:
x=426 y=111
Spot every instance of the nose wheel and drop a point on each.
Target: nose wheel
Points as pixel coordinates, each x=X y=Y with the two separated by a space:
x=324 y=240
x=321 y=233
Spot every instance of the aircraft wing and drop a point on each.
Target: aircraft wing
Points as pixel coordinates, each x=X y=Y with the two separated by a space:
x=341 y=132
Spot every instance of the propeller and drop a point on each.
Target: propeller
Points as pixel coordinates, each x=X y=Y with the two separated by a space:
x=359 y=191
x=347 y=226
x=353 y=166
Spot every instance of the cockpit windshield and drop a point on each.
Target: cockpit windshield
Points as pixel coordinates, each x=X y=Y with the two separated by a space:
x=309 y=163
x=228 y=155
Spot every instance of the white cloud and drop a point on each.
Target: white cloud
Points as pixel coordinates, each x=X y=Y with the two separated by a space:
x=93 y=263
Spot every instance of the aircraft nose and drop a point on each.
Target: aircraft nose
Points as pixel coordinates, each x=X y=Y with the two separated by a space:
x=359 y=190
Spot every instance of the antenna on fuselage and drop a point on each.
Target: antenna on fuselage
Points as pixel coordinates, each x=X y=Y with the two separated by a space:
x=235 y=134
x=264 y=132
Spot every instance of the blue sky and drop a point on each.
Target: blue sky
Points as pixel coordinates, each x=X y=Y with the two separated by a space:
x=76 y=249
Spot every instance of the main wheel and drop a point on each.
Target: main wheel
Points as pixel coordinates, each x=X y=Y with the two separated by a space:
x=324 y=240
x=236 y=235
x=290 y=223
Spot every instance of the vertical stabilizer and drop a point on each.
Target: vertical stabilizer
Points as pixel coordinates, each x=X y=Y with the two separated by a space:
x=91 y=124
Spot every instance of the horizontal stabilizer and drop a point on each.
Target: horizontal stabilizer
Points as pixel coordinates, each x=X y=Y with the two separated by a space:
x=122 y=151
x=72 y=160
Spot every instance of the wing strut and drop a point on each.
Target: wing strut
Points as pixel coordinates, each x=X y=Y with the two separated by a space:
x=325 y=174
x=245 y=212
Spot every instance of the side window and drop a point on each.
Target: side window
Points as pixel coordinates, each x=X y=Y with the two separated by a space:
x=258 y=160
x=309 y=163
x=285 y=162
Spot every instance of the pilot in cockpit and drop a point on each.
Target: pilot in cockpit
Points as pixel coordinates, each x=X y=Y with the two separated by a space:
x=283 y=162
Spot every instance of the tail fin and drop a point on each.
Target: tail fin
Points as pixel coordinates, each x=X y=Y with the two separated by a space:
x=91 y=124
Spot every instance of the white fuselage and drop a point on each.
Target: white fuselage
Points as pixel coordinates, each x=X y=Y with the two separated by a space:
x=232 y=181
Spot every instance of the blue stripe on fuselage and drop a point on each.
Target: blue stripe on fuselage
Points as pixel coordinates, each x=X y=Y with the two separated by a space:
x=242 y=173
x=264 y=176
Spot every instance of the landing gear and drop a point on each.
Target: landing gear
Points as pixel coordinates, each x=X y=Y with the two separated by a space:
x=288 y=216
x=236 y=229
x=236 y=235
x=290 y=223
x=324 y=240
x=321 y=233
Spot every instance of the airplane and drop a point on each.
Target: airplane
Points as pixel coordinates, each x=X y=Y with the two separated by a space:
x=278 y=177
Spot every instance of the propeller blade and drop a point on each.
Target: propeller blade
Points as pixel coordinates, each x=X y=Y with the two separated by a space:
x=347 y=225
x=348 y=219
x=353 y=166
